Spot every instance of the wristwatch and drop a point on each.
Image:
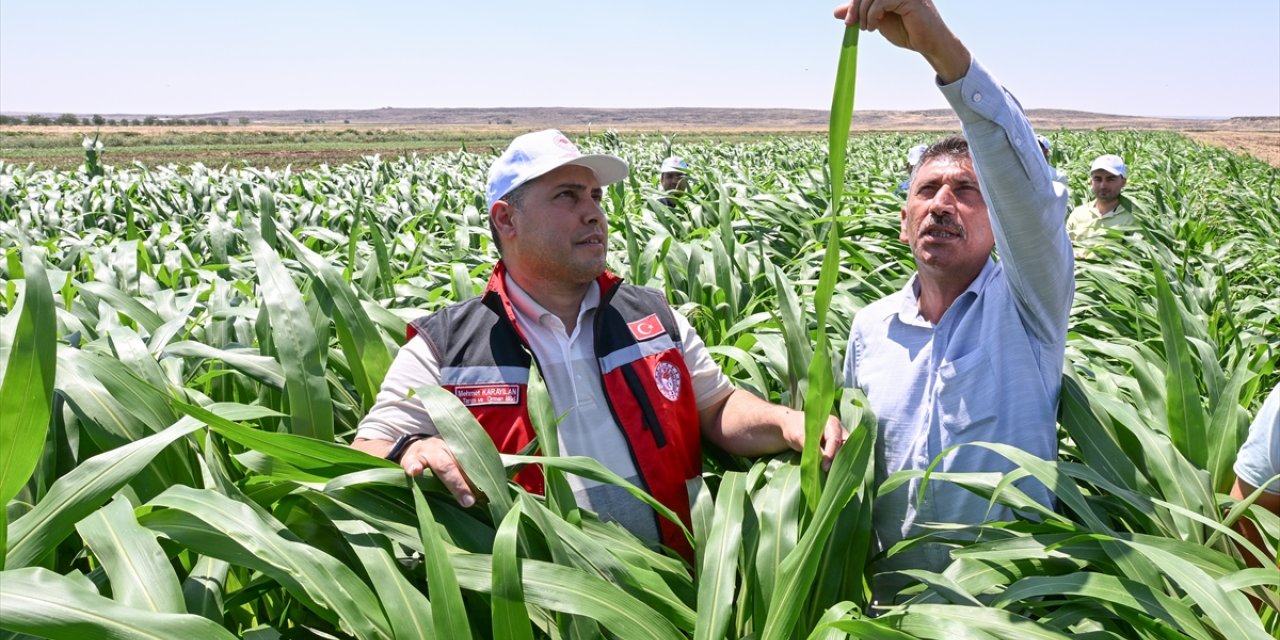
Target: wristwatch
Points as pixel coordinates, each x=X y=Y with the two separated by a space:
x=402 y=444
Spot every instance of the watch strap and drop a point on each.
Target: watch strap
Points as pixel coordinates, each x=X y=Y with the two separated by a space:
x=402 y=445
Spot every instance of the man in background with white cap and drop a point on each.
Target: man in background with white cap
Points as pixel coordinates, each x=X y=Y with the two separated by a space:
x=634 y=382
x=673 y=177
x=1059 y=175
x=1109 y=208
x=913 y=159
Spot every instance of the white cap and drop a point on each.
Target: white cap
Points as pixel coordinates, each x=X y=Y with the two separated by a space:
x=534 y=154
x=1112 y=164
x=1044 y=142
x=916 y=152
x=674 y=164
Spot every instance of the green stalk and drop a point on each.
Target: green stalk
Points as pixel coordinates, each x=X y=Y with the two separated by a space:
x=822 y=394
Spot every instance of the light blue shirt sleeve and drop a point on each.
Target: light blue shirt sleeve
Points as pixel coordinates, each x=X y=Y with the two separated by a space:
x=1259 y=459
x=1025 y=203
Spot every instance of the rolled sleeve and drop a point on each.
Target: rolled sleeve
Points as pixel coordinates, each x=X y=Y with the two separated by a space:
x=397 y=412
x=710 y=385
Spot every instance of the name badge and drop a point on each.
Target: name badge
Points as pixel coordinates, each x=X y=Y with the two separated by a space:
x=476 y=395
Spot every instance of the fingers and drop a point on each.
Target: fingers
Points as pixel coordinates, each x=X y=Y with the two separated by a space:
x=435 y=455
x=832 y=439
x=848 y=13
x=854 y=13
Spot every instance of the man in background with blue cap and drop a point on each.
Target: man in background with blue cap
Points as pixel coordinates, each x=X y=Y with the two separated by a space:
x=635 y=384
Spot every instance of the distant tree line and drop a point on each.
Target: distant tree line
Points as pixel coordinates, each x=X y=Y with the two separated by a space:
x=72 y=119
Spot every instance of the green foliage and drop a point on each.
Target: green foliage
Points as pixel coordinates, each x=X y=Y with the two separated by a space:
x=216 y=335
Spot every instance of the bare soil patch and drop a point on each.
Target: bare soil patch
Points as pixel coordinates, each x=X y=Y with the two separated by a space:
x=1264 y=145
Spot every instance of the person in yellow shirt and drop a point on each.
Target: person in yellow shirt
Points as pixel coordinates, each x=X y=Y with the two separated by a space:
x=1109 y=208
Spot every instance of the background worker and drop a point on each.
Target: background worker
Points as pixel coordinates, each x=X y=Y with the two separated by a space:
x=913 y=159
x=673 y=176
x=1109 y=207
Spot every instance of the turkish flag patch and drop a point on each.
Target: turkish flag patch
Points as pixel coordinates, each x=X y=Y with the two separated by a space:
x=646 y=328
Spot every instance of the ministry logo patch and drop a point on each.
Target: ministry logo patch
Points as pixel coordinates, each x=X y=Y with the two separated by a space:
x=668 y=379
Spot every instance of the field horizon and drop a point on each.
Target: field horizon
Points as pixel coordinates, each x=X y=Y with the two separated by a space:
x=314 y=137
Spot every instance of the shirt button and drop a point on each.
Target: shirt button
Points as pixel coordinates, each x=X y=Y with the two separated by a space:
x=977 y=97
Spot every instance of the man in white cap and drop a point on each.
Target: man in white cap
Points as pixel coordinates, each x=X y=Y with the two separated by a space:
x=913 y=159
x=673 y=176
x=635 y=384
x=1109 y=208
x=1059 y=175
x=971 y=349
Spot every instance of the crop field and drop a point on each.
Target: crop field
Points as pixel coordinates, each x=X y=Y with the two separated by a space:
x=186 y=350
x=281 y=146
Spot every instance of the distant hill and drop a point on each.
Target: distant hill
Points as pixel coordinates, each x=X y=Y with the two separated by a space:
x=677 y=118
x=722 y=118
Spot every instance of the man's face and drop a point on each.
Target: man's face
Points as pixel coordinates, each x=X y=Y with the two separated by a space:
x=1106 y=186
x=674 y=181
x=559 y=233
x=945 y=218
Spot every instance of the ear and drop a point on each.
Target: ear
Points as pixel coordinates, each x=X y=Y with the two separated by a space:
x=503 y=217
x=902 y=226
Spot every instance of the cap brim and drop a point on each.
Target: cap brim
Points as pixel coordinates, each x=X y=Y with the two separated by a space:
x=608 y=169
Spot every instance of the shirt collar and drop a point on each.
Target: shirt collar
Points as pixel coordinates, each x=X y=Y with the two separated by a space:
x=909 y=311
x=528 y=309
x=1120 y=208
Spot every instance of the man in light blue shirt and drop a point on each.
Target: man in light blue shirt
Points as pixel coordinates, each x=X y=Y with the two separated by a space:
x=971 y=350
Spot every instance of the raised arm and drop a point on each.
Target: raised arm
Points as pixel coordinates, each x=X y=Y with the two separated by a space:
x=1025 y=203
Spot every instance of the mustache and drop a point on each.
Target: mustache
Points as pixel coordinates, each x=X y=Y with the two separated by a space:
x=945 y=223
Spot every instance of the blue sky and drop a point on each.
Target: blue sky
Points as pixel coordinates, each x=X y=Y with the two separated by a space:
x=1142 y=57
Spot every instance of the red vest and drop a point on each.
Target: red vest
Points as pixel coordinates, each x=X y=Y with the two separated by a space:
x=485 y=360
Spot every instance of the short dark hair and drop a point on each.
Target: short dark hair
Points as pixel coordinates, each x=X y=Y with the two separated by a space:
x=514 y=199
x=954 y=147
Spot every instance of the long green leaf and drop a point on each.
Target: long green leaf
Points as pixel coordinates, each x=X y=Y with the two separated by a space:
x=1186 y=413
x=44 y=604
x=510 y=619
x=140 y=573
x=471 y=446
x=1229 y=611
x=212 y=524
x=82 y=491
x=800 y=566
x=1140 y=598
x=407 y=610
x=573 y=591
x=26 y=392
x=310 y=406
x=716 y=576
x=366 y=352
x=447 y=611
